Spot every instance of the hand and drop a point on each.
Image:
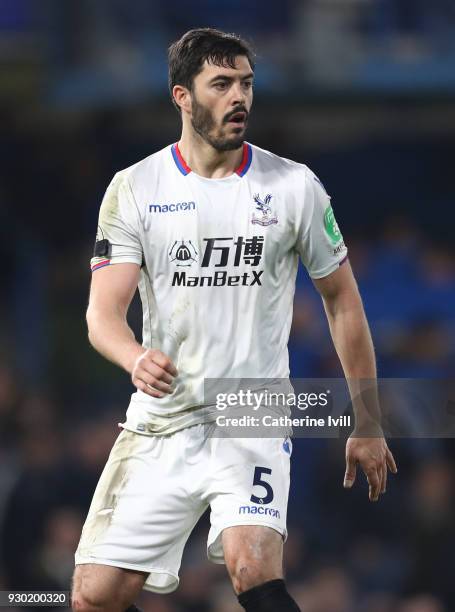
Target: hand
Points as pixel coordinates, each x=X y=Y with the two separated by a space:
x=375 y=458
x=153 y=373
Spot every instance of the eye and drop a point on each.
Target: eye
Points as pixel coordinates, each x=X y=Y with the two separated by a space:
x=220 y=85
x=247 y=84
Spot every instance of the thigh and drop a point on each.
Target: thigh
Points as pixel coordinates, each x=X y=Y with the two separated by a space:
x=143 y=510
x=110 y=588
x=249 y=485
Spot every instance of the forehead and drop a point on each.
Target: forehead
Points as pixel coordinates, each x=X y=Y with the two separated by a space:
x=242 y=68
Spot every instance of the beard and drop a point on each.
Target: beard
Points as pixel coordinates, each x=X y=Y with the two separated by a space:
x=205 y=125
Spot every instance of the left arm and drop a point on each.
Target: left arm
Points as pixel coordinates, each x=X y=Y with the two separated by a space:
x=352 y=339
x=347 y=322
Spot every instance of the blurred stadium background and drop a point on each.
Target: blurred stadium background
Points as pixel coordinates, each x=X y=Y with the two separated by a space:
x=363 y=91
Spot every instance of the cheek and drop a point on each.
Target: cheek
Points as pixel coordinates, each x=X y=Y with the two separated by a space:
x=218 y=115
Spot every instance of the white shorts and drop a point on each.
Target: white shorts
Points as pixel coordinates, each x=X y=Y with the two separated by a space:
x=154 y=489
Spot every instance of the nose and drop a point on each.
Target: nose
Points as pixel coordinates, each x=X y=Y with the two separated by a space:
x=238 y=94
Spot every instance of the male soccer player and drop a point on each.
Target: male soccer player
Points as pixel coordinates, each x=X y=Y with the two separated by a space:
x=211 y=229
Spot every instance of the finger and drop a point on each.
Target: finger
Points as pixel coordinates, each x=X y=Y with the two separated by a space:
x=142 y=386
x=391 y=462
x=156 y=371
x=374 y=483
x=381 y=478
x=351 y=471
x=152 y=382
x=384 y=479
x=164 y=362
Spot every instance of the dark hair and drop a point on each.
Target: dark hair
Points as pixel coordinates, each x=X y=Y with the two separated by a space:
x=187 y=55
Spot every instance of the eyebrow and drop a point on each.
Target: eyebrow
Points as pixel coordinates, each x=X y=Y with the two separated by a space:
x=222 y=77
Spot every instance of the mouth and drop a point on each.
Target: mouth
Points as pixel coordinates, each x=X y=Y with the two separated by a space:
x=239 y=119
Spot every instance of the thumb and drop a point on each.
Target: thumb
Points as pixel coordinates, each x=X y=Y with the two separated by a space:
x=349 y=477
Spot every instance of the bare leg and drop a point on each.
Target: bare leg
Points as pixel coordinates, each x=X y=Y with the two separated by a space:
x=102 y=588
x=253 y=555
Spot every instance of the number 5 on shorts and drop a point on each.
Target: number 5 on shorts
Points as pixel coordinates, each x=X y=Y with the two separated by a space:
x=257 y=480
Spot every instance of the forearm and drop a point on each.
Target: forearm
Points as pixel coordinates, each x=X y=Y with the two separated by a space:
x=110 y=334
x=352 y=340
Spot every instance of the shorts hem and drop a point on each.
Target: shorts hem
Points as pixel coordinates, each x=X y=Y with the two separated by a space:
x=219 y=559
x=79 y=560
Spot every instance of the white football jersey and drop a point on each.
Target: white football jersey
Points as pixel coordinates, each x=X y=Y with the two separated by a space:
x=218 y=264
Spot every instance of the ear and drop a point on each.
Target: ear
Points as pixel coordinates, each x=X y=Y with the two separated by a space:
x=182 y=97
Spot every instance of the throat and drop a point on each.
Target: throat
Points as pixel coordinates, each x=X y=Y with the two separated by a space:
x=208 y=162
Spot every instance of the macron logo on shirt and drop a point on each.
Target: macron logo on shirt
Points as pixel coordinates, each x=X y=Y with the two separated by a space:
x=164 y=208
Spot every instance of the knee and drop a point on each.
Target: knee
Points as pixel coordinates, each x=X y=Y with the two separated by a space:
x=247 y=573
x=86 y=599
x=100 y=588
x=80 y=604
x=82 y=601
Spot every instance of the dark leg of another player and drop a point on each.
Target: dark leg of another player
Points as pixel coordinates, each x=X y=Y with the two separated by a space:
x=271 y=596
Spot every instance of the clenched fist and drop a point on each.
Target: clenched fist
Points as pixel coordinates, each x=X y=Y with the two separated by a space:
x=153 y=373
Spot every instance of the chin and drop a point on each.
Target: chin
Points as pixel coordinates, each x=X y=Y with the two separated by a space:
x=228 y=144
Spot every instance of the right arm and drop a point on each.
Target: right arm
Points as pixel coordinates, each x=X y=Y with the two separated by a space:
x=111 y=293
x=113 y=287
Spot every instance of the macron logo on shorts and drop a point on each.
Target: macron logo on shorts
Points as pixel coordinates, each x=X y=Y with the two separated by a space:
x=259 y=510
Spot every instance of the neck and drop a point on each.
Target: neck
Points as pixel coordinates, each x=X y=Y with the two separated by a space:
x=206 y=161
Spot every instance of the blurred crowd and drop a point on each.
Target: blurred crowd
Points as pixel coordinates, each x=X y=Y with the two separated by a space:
x=80 y=53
